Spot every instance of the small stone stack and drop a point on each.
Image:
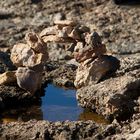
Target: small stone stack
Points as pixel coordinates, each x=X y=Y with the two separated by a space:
x=29 y=59
x=64 y=31
x=94 y=64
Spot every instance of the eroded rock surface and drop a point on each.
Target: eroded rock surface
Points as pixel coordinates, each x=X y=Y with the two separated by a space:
x=28 y=79
x=64 y=31
x=7 y=78
x=92 y=71
x=30 y=58
x=58 y=131
x=114 y=97
x=94 y=64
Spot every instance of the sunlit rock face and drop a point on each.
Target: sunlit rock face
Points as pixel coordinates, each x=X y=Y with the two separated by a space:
x=29 y=59
x=113 y=97
x=64 y=31
x=94 y=64
x=28 y=79
x=7 y=77
x=92 y=71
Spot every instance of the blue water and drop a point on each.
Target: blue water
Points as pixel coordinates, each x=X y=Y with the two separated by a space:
x=59 y=104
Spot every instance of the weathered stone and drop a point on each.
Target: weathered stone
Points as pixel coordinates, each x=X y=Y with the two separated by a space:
x=79 y=46
x=66 y=130
x=23 y=55
x=67 y=29
x=93 y=71
x=49 y=31
x=84 y=29
x=93 y=39
x=65 y=23
x=113 y=97
x=28 y=79
x=93 y=48
x=75 y=34
x=7 y=78
x=36 y=43
x=53 y=38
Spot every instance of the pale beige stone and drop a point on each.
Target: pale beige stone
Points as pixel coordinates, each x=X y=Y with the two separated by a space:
x=56 y=39
x=28 y=79
x=23 y=55
x=36 y=43
x=91 y=71
x=65 y=23
x=75 y=34
x=7 y=77
x=49 y=31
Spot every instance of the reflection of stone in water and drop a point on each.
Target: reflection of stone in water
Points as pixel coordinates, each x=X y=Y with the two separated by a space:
x=22 y=114
x=89 y=115
x=8 y=120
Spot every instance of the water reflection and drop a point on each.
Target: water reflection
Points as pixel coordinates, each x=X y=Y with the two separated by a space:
x=89 y=115
x=57 y=104
x=22 y=114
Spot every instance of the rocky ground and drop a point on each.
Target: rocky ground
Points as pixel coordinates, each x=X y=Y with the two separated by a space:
x=113 y=97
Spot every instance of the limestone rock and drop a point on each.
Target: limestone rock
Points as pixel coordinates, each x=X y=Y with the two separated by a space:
x=113 y=97
x=49 y=31
x=65 y=23
x=23 y=55
x=75 y=34
x=36 y=43
x=7 y=77
x=53 y=38
x=28 y=79
x=93 y=48
x=79 y=46
x=92 y=71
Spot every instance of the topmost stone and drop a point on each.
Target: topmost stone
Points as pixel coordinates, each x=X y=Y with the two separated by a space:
x=65 y=22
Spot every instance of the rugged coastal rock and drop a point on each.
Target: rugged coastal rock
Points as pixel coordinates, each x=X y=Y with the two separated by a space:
x=43 y=130
x=7 y=77
x=29 y=58
x=64 y=31
x=94 y=64
x=120 y=31
x=114 y=97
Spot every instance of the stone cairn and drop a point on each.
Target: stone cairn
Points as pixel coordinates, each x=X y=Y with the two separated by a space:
x=30 y=58
x=94 y=63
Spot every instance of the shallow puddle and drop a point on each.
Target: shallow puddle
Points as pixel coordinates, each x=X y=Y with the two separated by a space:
x=58 y=104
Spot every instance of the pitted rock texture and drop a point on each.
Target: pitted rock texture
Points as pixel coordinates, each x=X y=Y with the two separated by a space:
x=28 y=79
x=7 y=77
x=116 y=96
x=29 y=58
x=92 y=71
x=23 y=55
x=64 y=31
x=11 y=96
x=42 y=130
x=94 y=64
